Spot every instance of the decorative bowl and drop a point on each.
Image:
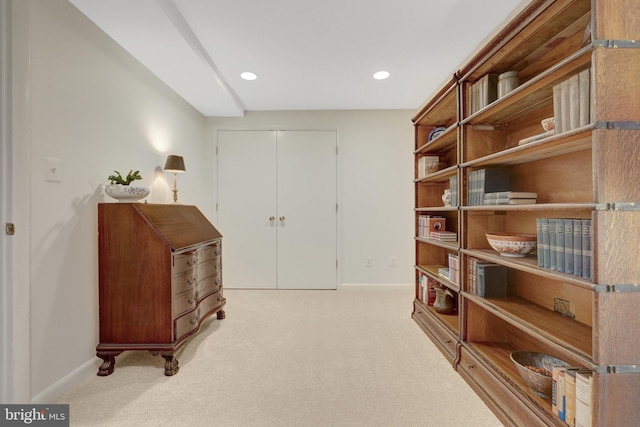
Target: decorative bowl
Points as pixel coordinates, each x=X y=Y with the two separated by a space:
x=528 y=363
x=512 y=244
x=126 y=192
x=548 y=124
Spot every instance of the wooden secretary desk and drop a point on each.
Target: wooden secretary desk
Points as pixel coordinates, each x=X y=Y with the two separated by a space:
x=160 y=277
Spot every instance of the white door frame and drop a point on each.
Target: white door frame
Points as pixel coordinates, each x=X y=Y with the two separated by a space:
x=15 y=320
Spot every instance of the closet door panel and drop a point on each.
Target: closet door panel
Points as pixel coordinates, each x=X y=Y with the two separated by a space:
x=246 y=202
x=307 y=217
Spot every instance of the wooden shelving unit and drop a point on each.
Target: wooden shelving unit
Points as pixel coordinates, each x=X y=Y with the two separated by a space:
x=589 y=172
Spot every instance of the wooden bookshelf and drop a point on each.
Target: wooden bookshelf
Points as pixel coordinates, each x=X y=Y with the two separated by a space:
x=587 y=172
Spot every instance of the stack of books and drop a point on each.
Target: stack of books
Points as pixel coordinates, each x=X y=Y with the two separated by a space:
x=443 y=236
x=427 y=164
x=564 y=245
x=444 y=272
x=510 y=198
x=488 y=180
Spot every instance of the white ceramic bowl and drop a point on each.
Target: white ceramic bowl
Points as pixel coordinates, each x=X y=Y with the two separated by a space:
x=126 y=192
x=512 y=244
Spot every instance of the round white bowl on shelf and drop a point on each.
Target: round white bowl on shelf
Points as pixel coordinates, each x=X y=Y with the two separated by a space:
x=512 y=244
x=539 y=378
x=126 y=192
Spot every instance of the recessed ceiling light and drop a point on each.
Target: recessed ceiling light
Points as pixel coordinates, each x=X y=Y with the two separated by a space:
x=381 y=75
x=248 y=76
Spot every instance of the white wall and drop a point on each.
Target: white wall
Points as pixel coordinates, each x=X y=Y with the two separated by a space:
x=376 y=191
x=91 y=105
x=82 y=99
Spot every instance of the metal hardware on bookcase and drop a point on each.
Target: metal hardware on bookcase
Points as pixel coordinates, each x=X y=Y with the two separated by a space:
x=617 y=288
x=617 y=43
x=272 y=218
x=282 y=218
x=619 y=125
x=624 y=206
x=617 y=369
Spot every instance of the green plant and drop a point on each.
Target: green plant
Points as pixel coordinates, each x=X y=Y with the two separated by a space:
x=118 y=179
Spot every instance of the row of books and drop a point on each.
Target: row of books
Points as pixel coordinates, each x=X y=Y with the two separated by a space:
x=428 y=224
x=564 y=245
x=487 y=279
x=482 y=93
x=427 y=289
x=571 y=392
x=510 y=198
x=454 y=268
x=453 y=187
x=487 y=180
x=572 y=102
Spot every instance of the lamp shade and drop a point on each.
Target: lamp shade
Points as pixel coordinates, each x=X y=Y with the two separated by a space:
x=174 y=164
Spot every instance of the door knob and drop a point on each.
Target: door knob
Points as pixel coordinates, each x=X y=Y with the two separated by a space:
x=282 y=218
x=272 y=218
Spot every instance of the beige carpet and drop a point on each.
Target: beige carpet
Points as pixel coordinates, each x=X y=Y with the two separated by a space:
x=351 y=357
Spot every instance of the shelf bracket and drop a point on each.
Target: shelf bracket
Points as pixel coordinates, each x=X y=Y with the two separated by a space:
x=618 y=369
x=617 y=288
x=619 y=125
x=615 y=44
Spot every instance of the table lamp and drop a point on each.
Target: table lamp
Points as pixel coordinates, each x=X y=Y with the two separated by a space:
x=175 y=164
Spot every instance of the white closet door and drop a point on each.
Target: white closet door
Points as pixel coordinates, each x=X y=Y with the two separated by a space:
x=246 y=202
x=307 y=196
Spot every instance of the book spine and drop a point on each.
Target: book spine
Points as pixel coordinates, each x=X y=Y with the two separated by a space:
x=577 y=247
x=584 y=81
x=565 y=105
x=553 y=245
x=545 y=243
x=480 y=281
x=557 y=108
x=570 y=393
x=586 y=248
x=562 y=398
x=482 y=173
x=568 y=246
x=555 y=396
x=539 y=239
x=574 y=102
x=560 y=238
x=584 y=385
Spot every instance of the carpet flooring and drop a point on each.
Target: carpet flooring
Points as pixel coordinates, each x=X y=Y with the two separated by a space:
x=352 y=357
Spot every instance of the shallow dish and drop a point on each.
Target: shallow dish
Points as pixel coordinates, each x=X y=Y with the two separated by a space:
x=512 y=244
x=126 y=192
x=538 y=383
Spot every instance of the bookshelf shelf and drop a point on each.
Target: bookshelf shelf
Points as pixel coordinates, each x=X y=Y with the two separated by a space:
x=571 y=338
x=583 y=172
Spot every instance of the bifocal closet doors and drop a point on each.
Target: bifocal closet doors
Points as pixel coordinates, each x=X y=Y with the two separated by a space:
x=277 y=208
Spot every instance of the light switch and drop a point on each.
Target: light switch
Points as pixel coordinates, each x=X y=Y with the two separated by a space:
x=52 y=171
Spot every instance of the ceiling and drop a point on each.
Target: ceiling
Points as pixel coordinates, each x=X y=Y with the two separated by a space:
x=308 y=55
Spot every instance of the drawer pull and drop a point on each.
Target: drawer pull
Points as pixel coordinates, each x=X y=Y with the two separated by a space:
x=471 y=366
x=447 y=341
x=194 y=320
x=192 y=300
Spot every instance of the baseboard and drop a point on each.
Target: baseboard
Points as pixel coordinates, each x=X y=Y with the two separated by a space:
x=67 y=383
x=376 y=284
